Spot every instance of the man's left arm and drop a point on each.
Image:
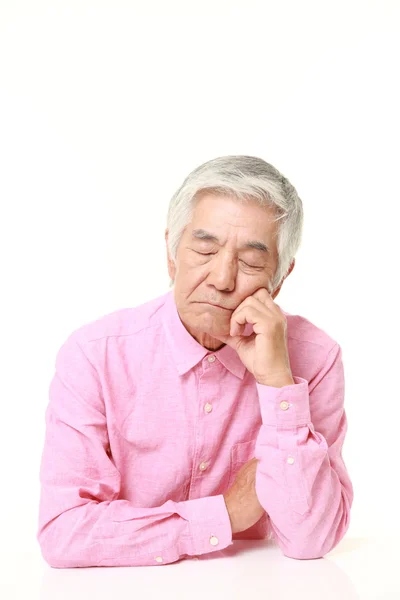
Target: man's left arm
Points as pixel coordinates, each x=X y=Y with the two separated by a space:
x=301 y=479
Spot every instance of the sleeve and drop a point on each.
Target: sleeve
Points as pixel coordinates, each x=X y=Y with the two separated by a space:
x=83 y=522
x=301 y=479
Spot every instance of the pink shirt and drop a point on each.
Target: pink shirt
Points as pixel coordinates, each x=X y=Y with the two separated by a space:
x=146 y=430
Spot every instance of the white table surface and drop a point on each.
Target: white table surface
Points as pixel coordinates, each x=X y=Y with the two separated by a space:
x=365 y=568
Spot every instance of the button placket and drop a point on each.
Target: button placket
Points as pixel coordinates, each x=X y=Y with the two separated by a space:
x=207 y=407
x=208 y=389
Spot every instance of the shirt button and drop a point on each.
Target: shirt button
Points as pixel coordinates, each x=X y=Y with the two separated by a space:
x=284 y=405
x=203 y=466
x=211 y=358
x=213 y=540
x=290 y=460
x=159 y=558
x=208 y=408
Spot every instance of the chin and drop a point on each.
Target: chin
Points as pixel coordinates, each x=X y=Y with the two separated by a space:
x=208 y=324
x=214 y=331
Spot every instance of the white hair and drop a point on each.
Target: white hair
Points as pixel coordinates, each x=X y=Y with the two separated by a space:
x=243 y=178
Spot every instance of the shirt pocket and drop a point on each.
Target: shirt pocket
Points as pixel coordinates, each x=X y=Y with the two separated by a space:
x=241 y=453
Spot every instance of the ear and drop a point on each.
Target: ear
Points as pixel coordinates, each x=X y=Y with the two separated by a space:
x=171 y=266
x=290 y=268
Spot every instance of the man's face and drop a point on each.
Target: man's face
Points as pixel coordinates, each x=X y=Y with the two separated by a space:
x=222 y=272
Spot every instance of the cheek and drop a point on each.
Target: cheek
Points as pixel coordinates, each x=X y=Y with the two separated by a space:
x=251 y=282
x=247 y=284
x=189 y=286
x=194 y=275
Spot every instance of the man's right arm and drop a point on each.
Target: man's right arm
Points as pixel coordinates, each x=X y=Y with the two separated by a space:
x=82 y=521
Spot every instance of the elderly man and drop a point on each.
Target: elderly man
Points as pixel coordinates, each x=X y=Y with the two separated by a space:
x=205 y=415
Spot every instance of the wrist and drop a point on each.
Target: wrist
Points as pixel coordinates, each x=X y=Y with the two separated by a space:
x=230 y=513
x=279 y=380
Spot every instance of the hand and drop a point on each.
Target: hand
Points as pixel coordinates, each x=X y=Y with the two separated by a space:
x=264 y=353
x=241 y=499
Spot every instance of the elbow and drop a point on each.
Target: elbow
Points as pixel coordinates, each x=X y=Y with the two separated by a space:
x=53 y=555
x=318 y=548
x=309 y=550
x=51 y=559
x=58 y=559
x=69 y=540
x=54 y=549
x=49 y=555
x=300 y=547
x=299 y=552
x=322 y=540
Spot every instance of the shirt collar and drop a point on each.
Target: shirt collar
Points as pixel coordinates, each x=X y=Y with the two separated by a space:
x=186 y=351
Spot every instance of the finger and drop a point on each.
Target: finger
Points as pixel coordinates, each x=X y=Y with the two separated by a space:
x=228 y=340
x=236 y=329
x=263 y=295
x=256 y=300
x=239 y=320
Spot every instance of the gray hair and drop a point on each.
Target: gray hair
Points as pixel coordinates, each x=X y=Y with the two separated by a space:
x=243 y=178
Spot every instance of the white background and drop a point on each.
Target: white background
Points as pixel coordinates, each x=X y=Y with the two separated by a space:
x=106 y=106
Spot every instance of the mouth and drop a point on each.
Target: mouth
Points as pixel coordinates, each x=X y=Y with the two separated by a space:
x=216 y=306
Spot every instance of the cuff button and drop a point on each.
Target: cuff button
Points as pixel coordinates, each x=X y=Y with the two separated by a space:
x=213 y=540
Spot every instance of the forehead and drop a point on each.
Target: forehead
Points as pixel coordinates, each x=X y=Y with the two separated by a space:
x=219 y=216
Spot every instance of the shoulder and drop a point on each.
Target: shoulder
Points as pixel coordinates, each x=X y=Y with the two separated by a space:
x=311 y=348
x=301 y=329
x=119 y=323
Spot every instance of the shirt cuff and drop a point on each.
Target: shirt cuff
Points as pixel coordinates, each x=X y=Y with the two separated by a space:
x=287 y=406
x=210 y=525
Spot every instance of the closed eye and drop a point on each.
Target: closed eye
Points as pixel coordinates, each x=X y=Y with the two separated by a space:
x=245 y=263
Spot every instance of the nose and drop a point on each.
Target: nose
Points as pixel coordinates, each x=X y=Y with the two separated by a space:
x=223 y=272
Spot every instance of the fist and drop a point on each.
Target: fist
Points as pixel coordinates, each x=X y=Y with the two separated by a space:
x=241 y=499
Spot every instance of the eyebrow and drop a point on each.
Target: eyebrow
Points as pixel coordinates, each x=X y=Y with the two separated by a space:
x=202 y=234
